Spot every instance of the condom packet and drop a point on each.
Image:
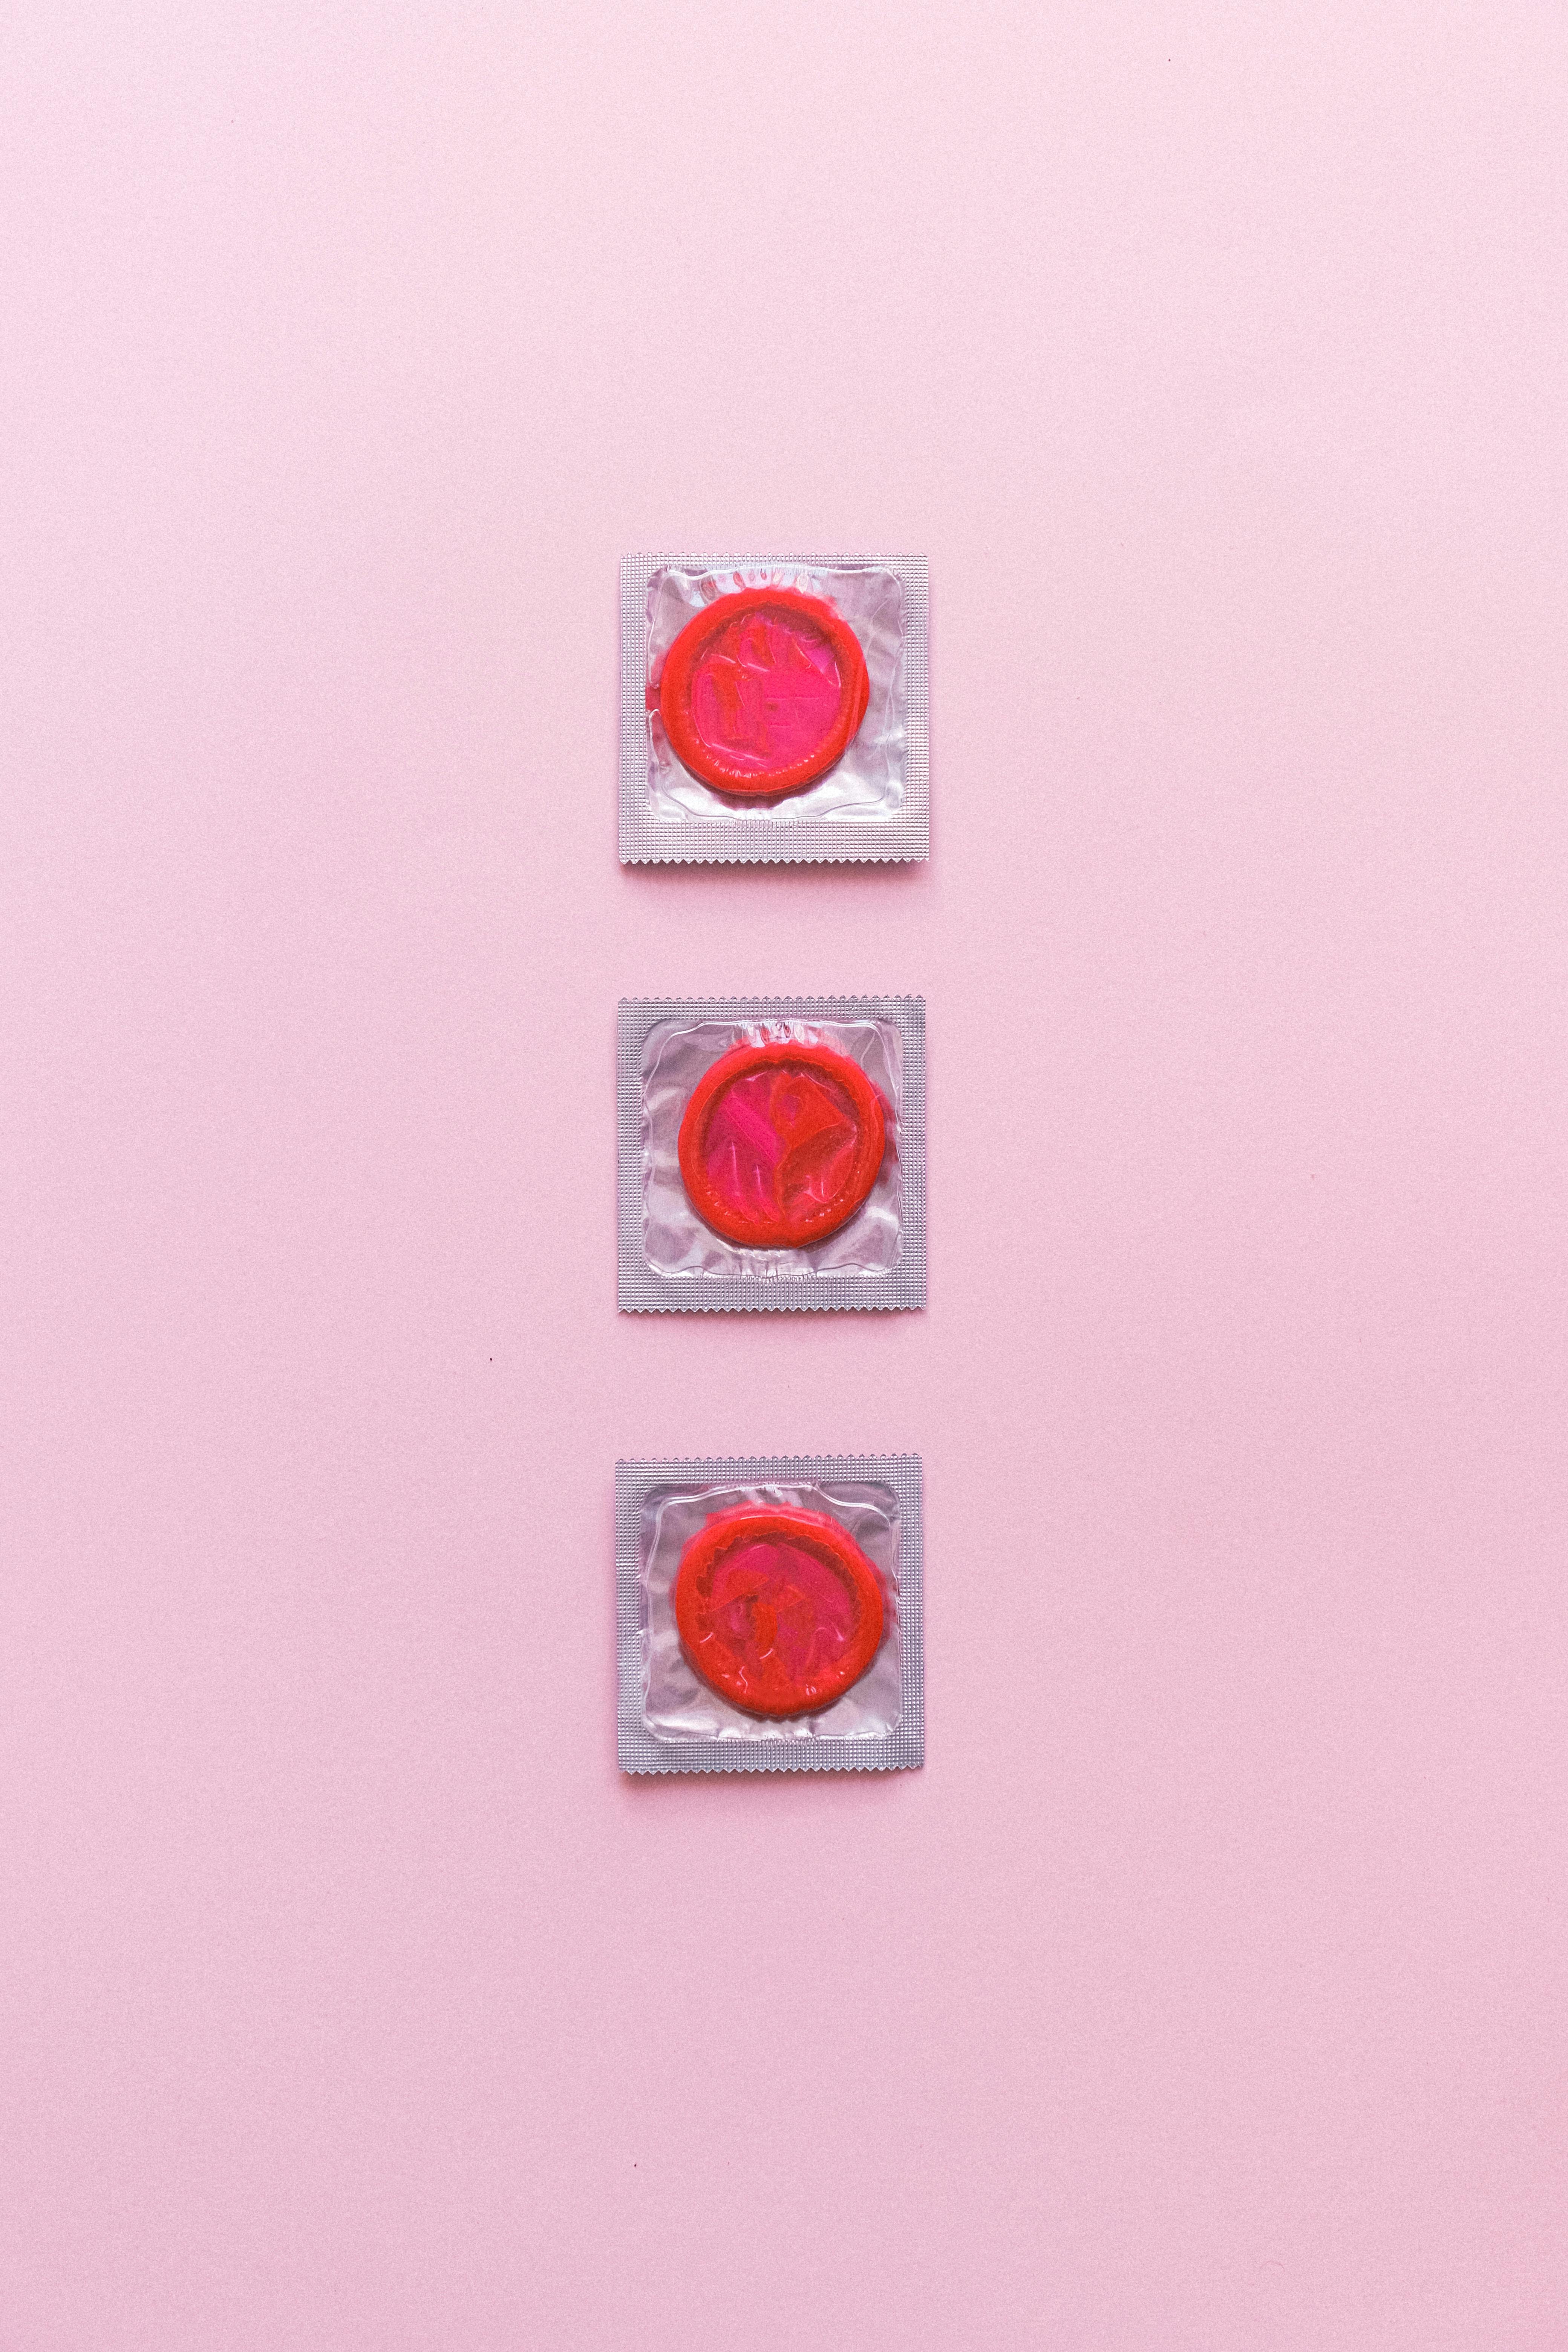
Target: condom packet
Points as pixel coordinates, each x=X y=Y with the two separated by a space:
x=771 y=1152
x=769 y=1614
x=773 y=707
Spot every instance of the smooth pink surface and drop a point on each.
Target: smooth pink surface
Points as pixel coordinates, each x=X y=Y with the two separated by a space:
x=1208 y=1991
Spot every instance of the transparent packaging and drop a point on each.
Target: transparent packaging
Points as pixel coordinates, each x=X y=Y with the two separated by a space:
x=731 y=775
x=789 y=1135
x=672 y=1716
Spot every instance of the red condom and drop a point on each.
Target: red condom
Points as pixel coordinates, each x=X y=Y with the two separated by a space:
x=778 y=1611
x=762 y=691
x=781 y=1144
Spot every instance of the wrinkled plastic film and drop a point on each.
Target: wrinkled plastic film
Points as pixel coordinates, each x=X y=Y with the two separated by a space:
x=670 y=1719
x=677 y=1704
x=872 y=803
x=677 y=1243
x=672 y=1257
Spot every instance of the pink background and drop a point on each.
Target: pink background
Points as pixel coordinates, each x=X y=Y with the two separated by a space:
x=1208 y=1989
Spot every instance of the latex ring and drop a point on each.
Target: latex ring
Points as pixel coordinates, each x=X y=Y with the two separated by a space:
x=762 y=691
x=779 y=1612
x=781 y=1144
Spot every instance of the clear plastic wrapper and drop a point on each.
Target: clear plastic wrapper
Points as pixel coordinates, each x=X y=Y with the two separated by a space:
x=771 y=1152
x=773 y=707
x=769 y=1614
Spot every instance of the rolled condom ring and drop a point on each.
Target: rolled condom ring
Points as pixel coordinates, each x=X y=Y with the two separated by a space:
x=763 y=692
x=781 y=1144
x=779 y=1612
